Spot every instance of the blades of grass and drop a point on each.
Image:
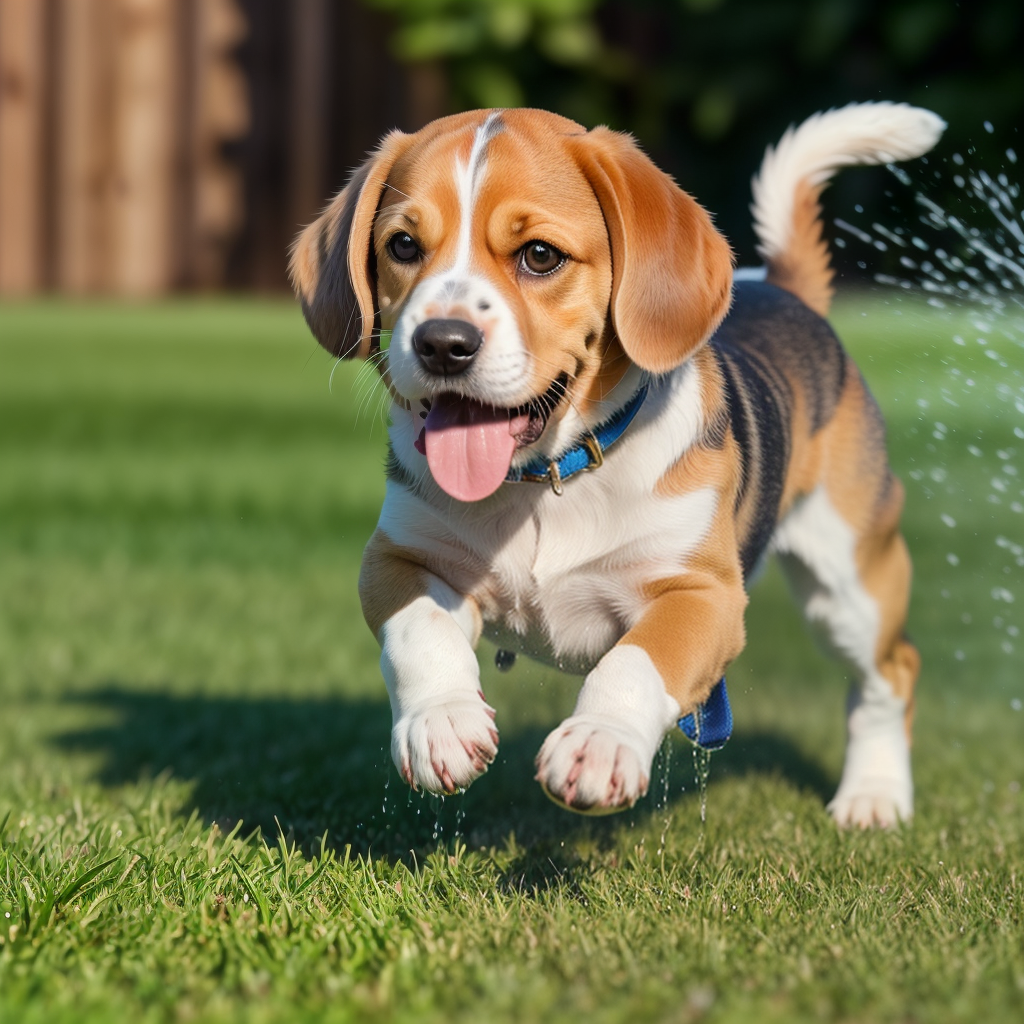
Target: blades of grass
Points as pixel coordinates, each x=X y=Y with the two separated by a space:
x=46 y=907
x=317 y=872
x=27 y=917
x=326 y=858
x=76 y=885
x=254 y=893
x=284 y=905
x=3 y=825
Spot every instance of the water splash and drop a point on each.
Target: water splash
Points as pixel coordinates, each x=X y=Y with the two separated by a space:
x=701 y=773
x=978 y=263
x=437 y=804
x=665 y=768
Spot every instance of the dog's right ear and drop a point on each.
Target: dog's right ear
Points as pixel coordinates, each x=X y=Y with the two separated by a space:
x=331 y=264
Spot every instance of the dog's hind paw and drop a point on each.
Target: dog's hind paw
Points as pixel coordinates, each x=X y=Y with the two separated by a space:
x=883 y=804
x=442 y=748
x=877 y=787
x=593 y=766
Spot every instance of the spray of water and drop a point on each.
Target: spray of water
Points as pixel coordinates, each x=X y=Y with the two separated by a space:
x=977 y=262
x=965 y=254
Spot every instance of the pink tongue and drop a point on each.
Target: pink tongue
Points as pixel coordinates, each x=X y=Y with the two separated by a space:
x=470 y=446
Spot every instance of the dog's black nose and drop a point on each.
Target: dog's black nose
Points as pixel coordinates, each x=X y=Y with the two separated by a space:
x=446 y=347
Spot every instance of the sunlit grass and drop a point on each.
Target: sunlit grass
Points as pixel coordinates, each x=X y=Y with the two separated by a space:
x=183 y=503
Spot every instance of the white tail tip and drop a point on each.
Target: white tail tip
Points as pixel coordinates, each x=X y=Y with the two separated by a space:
x=861 y=133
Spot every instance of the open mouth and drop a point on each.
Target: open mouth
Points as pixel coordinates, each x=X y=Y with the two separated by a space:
x=469 y=446
x=539 y=410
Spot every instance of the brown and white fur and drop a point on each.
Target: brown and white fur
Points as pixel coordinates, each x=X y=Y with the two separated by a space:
x=758 y=435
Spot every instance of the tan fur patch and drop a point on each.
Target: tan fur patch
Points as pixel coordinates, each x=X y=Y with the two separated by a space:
x=694 y=626
x=805 y=268
x=389 y=580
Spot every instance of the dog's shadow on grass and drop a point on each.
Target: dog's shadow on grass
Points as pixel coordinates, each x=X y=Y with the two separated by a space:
x=313 y=767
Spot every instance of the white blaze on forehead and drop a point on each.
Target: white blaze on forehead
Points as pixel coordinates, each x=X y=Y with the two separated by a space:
x=468 y=177
x=500 y=375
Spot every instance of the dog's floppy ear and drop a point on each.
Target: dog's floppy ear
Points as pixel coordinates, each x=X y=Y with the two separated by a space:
x=331 y=264
x=671 y=270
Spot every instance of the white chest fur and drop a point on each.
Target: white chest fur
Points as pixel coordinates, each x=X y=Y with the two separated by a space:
x=561 y=577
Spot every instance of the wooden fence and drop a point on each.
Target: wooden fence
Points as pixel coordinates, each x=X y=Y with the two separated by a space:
x=154 y=145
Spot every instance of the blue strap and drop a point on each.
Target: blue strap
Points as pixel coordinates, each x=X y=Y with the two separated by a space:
x=710 y=726
x=580 y=456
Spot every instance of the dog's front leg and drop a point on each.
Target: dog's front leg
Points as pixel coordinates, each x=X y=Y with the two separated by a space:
x=443 y=734
x=599 y=759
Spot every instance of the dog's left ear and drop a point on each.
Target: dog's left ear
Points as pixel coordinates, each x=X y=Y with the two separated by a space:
x=671 y=269
x=331 y=264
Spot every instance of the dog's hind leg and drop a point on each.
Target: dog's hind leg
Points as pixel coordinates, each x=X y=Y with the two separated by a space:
x=848 y=565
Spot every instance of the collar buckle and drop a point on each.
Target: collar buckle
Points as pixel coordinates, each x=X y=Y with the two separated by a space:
x=595 y=451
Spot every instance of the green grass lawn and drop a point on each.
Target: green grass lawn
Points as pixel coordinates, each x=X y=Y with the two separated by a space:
x=199 y=816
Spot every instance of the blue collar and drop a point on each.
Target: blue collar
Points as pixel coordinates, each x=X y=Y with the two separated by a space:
x=586 y=454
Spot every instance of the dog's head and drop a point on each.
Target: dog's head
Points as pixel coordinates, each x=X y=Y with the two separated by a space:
x=522 y=264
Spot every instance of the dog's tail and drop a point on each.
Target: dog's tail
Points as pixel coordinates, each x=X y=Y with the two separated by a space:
x=787 y=215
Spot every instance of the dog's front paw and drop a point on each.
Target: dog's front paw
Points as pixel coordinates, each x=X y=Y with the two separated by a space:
x=594 y=766
x=443 y=747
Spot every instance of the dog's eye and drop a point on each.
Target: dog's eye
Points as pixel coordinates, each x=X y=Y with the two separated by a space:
x=541 y=258
x=403 y=247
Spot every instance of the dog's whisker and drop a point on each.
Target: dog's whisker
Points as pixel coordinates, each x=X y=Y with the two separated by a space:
x=330 y=379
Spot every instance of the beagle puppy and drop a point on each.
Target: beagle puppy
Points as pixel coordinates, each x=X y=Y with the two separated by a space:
x=542 y=300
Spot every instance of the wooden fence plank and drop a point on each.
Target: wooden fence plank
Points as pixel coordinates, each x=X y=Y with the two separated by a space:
x=308 y=121
x=219 y=114
x=22 y=170
x=84 y=145
x=146 y=147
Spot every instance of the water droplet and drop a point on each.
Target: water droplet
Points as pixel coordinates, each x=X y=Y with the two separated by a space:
x=701 y=772
x=948 y=520
x=952 y=559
